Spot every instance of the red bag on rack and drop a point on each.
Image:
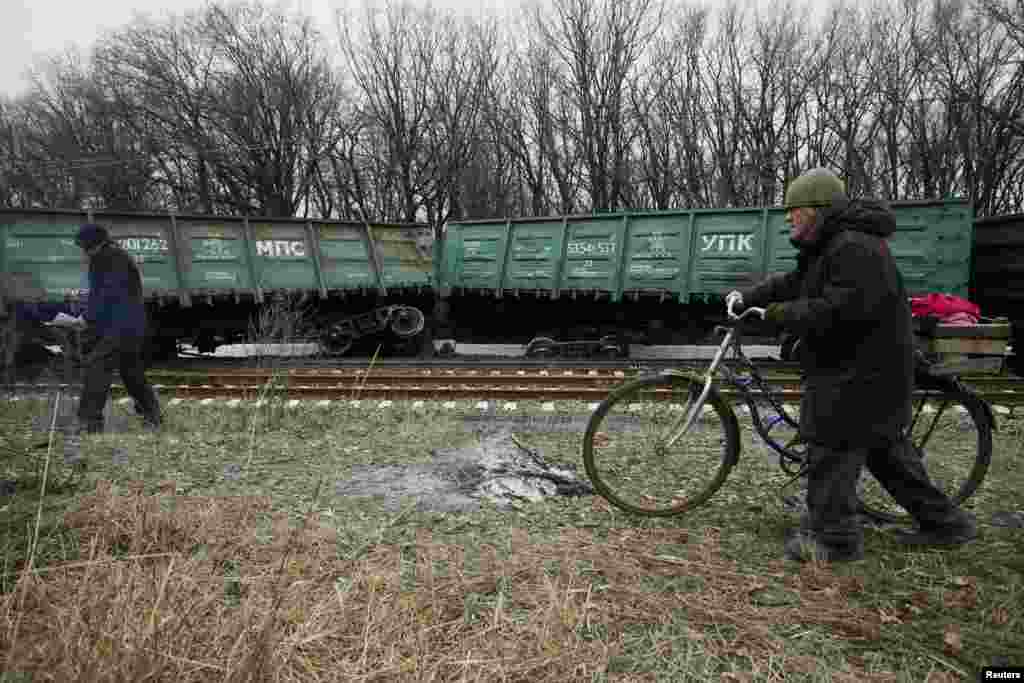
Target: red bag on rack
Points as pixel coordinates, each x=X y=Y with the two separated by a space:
x=943 y=306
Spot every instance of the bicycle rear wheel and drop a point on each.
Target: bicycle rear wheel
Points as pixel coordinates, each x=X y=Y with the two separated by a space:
x=632 y=460
x=952 y=432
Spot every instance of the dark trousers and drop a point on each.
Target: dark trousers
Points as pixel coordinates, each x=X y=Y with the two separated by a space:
x=125 y=355
x=832 y=502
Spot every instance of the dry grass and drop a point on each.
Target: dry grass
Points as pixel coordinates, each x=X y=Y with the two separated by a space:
x=283 y=320
x=144 y=605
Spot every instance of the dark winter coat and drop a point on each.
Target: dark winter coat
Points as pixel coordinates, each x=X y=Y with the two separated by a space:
x=114 y=304
x=847 y=303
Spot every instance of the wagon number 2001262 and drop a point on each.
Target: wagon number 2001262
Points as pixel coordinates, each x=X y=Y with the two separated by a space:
x=143 y=244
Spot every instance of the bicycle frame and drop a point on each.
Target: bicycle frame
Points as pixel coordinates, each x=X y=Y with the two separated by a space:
x=731 y=342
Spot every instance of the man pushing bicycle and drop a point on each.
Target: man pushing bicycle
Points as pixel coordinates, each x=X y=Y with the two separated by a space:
x=847 y=304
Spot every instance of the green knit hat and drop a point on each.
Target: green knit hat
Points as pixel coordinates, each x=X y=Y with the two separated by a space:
x=816 y=187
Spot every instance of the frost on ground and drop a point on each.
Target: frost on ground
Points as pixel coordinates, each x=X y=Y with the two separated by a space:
x=497 y=468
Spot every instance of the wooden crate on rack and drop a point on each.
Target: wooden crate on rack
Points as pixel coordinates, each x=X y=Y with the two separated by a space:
x=979 y=348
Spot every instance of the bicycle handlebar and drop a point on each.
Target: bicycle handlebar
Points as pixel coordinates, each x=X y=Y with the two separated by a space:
x=744 y=314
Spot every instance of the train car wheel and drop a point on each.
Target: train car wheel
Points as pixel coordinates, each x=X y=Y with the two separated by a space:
x=335 y=342
x=407 y=322
x=540 y=347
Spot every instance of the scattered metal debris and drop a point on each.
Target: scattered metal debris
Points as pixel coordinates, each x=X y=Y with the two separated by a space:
x=498 y=468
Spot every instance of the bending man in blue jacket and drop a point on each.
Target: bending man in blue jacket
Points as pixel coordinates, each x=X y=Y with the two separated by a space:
x=118 y=318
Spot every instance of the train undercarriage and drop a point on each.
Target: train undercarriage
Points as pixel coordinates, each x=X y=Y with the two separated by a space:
x=407 y=325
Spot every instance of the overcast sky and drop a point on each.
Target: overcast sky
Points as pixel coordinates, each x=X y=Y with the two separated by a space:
x=33 y=28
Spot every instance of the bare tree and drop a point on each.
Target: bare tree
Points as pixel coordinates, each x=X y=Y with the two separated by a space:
x=525 y=122
x=1009 y=14
x=839 y=127
x=897 y=66
x=10 y=151
x=784 y=65
x=390 y=60
x=601 y=47
x=589 y=105
x=662 y=100
x=275 y=108
x=162 y=77
x=687 y=107
x=974 y=59
x=76 y=150
x=723 y=120
x=467 y=63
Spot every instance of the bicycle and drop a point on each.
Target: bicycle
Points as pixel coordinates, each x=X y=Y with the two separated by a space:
x=614 y=460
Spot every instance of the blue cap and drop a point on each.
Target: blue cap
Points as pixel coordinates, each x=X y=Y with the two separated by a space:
x=90 y=234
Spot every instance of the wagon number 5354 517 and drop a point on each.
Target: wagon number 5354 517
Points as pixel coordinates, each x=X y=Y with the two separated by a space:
x=587 y=248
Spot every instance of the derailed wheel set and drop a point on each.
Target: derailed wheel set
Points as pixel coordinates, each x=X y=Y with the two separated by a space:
x=578 y=285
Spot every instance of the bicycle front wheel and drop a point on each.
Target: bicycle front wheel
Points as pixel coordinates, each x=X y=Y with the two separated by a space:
x=638 y=457
x=952 y=434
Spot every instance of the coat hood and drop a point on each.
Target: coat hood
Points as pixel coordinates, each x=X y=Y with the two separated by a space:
x=870 y=216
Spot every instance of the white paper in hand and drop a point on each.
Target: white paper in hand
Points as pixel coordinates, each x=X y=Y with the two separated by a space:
x=65 y=320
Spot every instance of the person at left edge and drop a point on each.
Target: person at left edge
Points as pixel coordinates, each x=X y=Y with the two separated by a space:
x=116 y=313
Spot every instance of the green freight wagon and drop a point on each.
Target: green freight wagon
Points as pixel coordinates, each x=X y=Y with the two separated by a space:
x=205 y=277
x=656 y=277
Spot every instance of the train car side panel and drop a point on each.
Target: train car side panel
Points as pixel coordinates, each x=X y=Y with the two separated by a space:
x=21 y=289
x=780 y=254
x=591 y=246
x=728 y=247
x=42 y=249
x=658 y=254
x=954 y=234
x=533 y=256
x=282 y=258
x=998 y=285
x=998 y=276
x=404 y=255
x=345 y=258
x=474 y=253
x=148 y=240
x=215 y=255
x=932 y=246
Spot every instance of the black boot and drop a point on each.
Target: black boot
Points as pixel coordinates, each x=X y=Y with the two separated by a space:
x=958 y=528
x=803 y=546
x=830 y=531
x=83 y=427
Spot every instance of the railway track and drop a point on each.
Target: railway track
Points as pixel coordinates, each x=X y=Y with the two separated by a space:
x=497 y=383
x=457 y=363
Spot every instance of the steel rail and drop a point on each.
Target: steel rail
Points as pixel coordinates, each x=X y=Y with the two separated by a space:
x=456 y=363
x=492 y=376
x=453 y=390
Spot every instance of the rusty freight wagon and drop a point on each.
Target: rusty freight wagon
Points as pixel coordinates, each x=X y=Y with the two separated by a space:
x=205 y=277
x=652 y=277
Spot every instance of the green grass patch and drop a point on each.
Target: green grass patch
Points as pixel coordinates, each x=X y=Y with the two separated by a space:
x=220 y=549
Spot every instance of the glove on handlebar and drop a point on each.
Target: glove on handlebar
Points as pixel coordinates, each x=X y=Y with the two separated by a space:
x=736 y=299
x=775 y=313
